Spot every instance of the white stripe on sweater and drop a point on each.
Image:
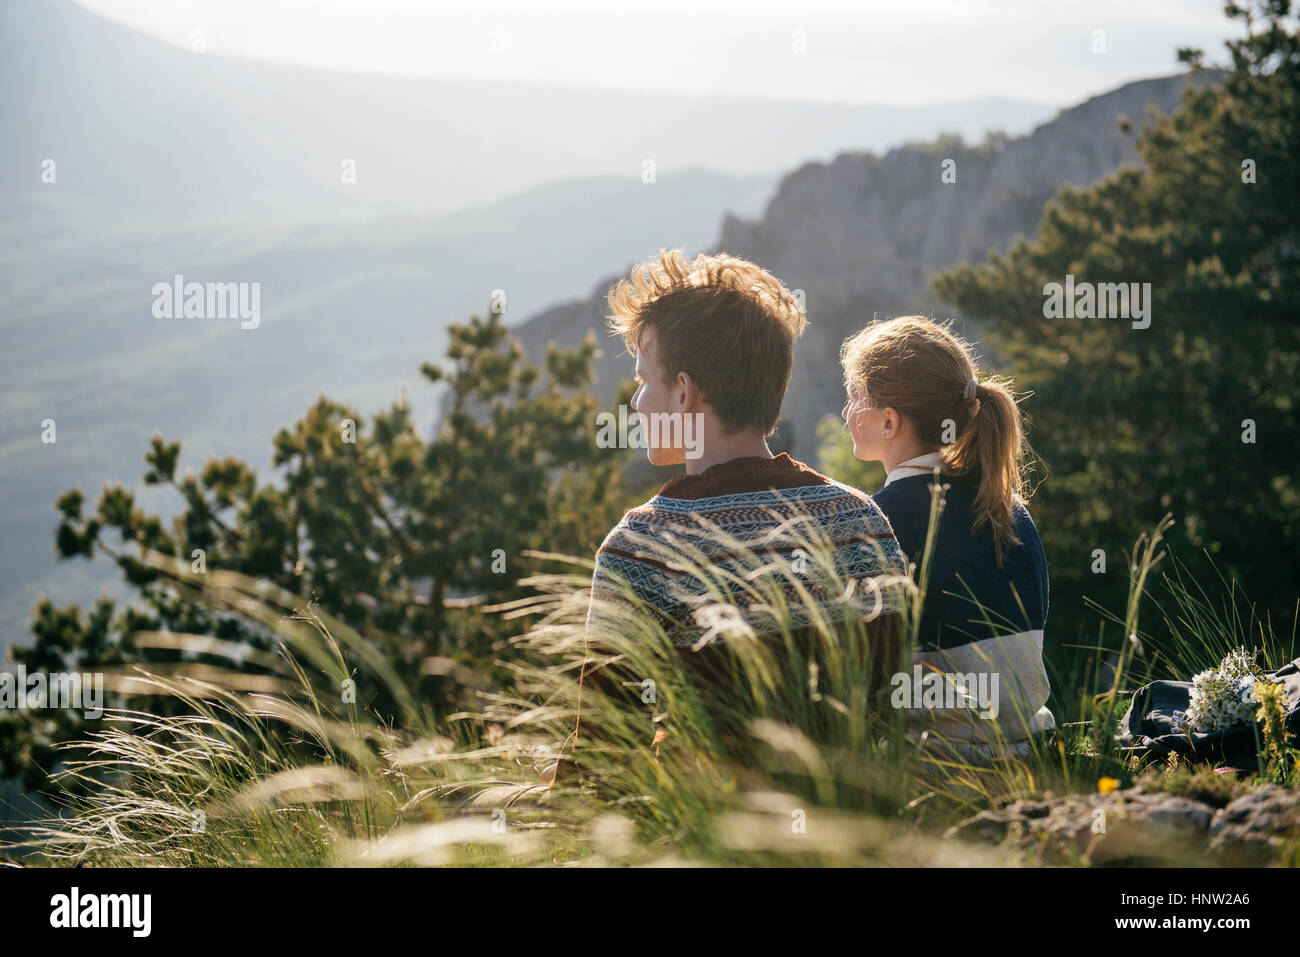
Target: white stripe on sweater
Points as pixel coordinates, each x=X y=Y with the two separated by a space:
x=1023 y=688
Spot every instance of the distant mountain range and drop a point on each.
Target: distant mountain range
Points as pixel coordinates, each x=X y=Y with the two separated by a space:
x=222 y=170
x=862 y=235
x=155 y=132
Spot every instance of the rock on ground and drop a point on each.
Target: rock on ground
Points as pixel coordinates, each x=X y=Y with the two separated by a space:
x=1141 y=827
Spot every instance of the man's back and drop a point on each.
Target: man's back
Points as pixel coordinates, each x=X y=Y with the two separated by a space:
x=731 y=525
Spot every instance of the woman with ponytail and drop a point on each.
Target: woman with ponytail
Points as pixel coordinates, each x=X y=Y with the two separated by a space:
x=918 y=404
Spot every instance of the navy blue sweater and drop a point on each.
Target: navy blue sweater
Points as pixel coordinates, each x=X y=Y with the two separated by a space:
x=967 y=590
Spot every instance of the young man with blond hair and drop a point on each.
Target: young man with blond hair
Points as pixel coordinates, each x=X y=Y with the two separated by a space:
x=714 y=341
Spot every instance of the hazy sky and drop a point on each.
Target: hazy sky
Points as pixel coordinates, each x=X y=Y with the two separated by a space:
x=900 y=52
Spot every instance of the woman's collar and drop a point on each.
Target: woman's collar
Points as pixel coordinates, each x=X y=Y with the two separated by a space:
x=920 y=465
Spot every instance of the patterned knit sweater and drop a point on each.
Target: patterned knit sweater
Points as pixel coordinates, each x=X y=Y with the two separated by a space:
x=761 y=533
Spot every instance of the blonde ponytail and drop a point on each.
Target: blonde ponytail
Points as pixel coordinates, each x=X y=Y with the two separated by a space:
x=991 y=449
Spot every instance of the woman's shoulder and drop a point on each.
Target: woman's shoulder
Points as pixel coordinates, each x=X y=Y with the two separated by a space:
x=1023 y=519
x=907 y=503
x=912 y=490
x=1030 y=542
x=904 y=495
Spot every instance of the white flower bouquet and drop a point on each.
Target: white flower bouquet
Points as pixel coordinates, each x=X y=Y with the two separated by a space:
x=1224 y=697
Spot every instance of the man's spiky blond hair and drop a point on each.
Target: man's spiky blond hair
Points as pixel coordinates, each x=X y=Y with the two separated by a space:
x=727 y=323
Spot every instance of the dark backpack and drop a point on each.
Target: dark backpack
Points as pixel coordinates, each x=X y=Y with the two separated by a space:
x=1150 y=728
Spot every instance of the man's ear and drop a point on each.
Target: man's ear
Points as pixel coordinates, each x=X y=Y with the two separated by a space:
x=691 y=398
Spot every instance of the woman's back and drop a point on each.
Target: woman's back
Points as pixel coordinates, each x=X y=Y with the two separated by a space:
x=979 y=619
x=969 y=596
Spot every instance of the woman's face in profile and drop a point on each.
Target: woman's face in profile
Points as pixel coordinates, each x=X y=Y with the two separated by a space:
x=863 y=424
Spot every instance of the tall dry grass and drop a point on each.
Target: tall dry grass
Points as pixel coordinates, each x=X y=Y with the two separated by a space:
x=794 y=757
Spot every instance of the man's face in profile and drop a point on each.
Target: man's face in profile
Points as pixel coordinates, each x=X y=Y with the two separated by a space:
x=655 y=397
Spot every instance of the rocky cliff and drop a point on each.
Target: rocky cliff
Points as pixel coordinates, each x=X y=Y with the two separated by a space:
x=863 y=234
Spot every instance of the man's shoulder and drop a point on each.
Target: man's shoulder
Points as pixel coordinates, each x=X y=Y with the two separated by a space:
x=635 y=535
x=821 y=497
x=623 y=529
x=848 y=498
x=844 y=514
x=787 y=480
x=637 y=515
x=861 y=497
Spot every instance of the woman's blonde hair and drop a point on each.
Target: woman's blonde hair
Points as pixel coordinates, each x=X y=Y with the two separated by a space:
x=923 y=370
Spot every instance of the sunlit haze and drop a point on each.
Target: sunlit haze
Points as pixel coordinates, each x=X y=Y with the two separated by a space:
x=826 y=50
